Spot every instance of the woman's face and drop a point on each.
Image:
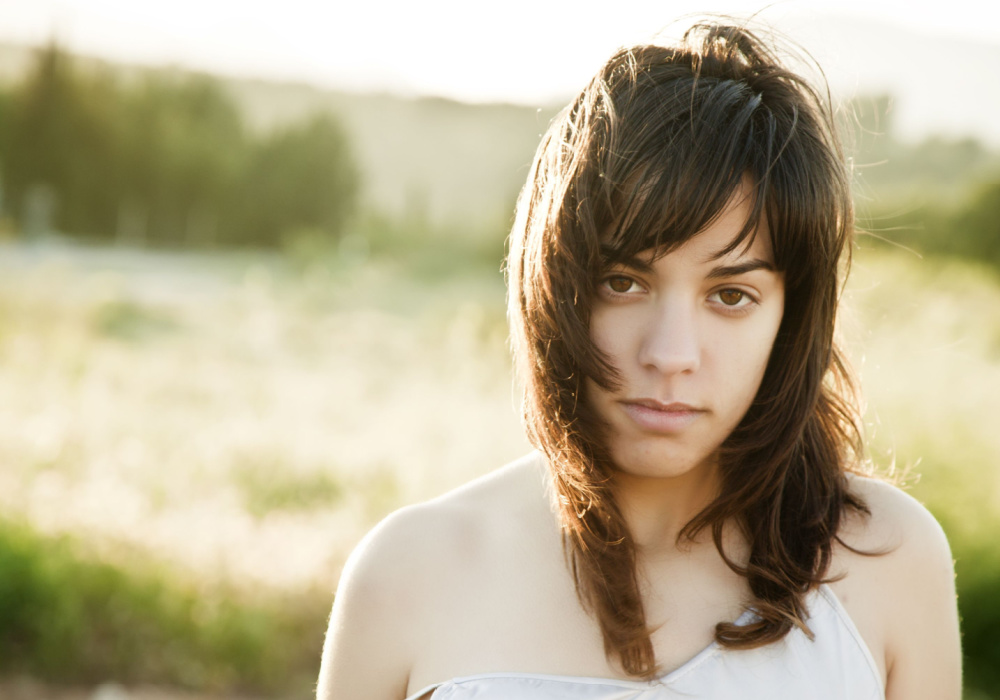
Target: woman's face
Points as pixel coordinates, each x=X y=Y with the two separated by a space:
x=690 y=335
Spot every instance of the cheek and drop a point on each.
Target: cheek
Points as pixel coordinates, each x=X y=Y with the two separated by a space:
x=609 y=332
x=746 y=360
x=762 y=344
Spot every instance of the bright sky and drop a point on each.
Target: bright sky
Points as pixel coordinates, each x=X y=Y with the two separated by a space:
x=527 y=51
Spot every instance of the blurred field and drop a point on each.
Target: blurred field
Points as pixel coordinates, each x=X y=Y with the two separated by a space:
x=241 y=419
x=926 y=340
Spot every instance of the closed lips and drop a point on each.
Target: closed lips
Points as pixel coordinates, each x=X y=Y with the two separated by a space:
x=653 y=404
x=661 y=418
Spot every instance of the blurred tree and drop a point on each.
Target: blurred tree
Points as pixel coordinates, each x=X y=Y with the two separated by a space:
x=892 y=175
x=300 y=178
x=60 y=137
x=4 y=145
x=165 y=160
x=978 y=225
x=184 y=146
x=867 y=128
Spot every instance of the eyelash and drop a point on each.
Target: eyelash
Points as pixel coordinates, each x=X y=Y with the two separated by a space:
x=727 y=309
x=606 y=280
x=742 y=309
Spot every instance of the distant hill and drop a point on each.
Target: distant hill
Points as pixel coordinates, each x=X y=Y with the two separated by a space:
x=447 y=160
x=942 y=85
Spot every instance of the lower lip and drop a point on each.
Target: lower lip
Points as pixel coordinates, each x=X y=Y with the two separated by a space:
x=658 y=421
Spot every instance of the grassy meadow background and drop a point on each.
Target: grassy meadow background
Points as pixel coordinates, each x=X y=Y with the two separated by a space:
x=195 y=430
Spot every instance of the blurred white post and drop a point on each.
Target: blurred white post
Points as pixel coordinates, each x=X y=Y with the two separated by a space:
x=39 y=211
x=132 y=221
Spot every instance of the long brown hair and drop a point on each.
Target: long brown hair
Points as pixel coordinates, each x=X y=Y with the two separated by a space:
x=644 y=158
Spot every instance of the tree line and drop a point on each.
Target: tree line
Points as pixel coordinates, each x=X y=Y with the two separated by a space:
x=162 y=160
x=167 y=160
x=939 y=196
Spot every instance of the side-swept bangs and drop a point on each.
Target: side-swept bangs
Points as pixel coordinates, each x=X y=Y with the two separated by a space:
x=681 y=147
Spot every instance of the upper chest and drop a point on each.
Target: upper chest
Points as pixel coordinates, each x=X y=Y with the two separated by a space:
x=831 y=665
x=521 y=612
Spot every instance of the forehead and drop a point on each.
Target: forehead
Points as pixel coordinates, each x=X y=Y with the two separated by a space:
x=736 y=232
x=726 y=238
x=654 y=211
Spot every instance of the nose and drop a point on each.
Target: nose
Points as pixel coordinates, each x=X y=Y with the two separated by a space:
x=670 y=343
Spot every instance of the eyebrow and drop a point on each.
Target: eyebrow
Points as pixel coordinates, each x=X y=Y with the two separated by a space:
x=720 y=271
x=740 y=268
x=610 y=256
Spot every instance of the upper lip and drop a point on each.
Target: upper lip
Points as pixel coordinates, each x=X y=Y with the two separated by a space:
x=672 y=407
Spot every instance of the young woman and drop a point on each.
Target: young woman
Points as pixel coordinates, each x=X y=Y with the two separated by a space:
x=695 y=522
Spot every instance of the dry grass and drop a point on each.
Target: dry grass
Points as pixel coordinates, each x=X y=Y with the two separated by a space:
x=235 y=419
x=926 y=335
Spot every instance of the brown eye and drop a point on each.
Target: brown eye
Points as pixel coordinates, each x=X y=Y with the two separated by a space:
x=731 y=297
x=619 y=284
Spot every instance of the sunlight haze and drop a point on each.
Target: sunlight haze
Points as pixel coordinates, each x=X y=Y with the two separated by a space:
x=523 y=51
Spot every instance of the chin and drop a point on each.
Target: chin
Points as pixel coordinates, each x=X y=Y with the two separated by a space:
x=648 y=462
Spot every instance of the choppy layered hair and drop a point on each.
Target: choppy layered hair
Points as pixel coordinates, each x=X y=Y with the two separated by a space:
x=647 y=156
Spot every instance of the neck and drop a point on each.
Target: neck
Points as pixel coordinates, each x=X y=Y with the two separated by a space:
x=657 y=508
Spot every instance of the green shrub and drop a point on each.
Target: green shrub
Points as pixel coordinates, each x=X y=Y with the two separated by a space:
x=978 y=576
x=70 y=618
x=126 y=320
x=268 y=486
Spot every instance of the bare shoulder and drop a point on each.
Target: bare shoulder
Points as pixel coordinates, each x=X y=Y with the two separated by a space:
x=899 y=587
x=898 y=524
x=395 y=582
x=410 y=546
